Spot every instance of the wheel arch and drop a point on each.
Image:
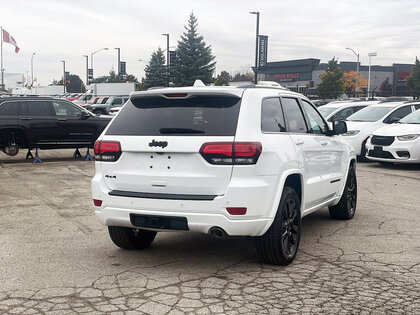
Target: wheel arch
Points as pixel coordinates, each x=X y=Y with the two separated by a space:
x=294 y=178
x=18 y=132
x=352 y=163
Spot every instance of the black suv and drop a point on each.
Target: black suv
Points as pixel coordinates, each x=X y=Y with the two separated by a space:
x=46 y=123
x=103 y=109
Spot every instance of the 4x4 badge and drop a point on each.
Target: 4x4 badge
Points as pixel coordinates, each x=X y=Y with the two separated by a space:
x=158 y=144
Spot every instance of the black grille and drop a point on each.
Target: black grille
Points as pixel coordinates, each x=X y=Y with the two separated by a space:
x=381 y=154
x=382 y=140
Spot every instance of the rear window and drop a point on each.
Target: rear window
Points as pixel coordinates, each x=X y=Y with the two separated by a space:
x=194 y=116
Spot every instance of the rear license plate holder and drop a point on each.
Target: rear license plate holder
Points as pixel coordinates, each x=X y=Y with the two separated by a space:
x=159 y=222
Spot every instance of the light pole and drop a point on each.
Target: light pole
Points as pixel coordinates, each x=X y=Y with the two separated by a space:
x=91 y=56
x=167 y=58
x=64 y=75
x=372 y=54
x=32 y=70
x=119 y=61
x=256 y=45
x=87 y=69
x=357 y=80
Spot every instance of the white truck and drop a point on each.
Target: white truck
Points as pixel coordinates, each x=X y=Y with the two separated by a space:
x=111 y=89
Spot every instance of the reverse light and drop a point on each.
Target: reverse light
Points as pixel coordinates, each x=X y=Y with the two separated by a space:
x=407 y=137
x=107 y=151
x=230 y=153
x=351 y=133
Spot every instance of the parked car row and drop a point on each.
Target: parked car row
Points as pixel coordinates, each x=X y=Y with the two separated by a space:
x=386 y=131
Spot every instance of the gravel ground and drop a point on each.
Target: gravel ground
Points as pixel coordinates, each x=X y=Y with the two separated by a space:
x=56 y=258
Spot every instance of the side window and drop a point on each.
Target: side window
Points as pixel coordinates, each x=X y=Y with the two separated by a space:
x=65 y=109
x=343 y=114
x=294 y=117
x=398 y=114
x=9 y=109
x=272 y=119
x=38 y=108
x=316 y=122
x=417 y=107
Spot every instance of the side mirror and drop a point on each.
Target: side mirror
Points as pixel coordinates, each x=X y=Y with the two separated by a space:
x=84 y=115
x=339 y=127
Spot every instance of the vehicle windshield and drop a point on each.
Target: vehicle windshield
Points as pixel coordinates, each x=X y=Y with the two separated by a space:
x=413 y=118
x=370 y=113
x=325 y=111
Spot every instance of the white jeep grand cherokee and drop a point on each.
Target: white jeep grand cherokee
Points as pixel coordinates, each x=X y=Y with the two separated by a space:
x=228 y=161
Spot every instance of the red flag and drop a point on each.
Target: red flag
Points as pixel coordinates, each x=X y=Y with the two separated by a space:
x=9 y=39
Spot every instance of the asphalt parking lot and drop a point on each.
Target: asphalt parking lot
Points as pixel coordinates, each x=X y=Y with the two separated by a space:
x=56 y=258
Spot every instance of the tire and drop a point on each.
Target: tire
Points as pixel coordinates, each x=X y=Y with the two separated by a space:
x=346 y=207
x=363 y=152
x=279 y=245
x=131 y=238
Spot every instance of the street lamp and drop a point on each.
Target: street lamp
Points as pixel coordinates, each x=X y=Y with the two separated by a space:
x=91 y=57
x=119 y=61
x=87 y=69
x=357 y=82
x=64 y=75
x=372 y=54
x=167 y=58
x=32 y=69
x=256 y=44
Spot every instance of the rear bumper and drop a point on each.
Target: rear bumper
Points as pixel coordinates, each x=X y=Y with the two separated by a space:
x=197 y=222
x=256 y=195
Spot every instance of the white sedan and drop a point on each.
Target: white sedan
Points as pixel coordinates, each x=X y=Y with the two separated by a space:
x=399 y=142
x=342 y=110
x=363 y=123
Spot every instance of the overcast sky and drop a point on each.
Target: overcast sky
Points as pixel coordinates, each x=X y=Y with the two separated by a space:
x=66 y=30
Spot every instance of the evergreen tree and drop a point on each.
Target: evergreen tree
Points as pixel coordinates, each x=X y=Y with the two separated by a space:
x=413 y=80
x=194 y=57
x=332 y=81
x=156 y=70
x=223 y=78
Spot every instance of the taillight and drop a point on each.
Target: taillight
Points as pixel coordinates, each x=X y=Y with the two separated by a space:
x=107 y=151
x=97 y=202
x=229 y=153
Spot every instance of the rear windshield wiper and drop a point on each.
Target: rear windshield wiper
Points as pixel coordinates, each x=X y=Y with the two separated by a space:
x=179 y=130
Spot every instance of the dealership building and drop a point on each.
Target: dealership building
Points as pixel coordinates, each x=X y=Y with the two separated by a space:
x=298 y=74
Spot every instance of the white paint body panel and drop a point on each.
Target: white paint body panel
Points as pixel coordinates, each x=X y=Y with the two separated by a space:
x=257 y=187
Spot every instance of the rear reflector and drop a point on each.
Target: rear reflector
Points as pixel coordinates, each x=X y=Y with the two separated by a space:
x=109 y=151
x=97 y=202
x=229 y=153
x=236 y=211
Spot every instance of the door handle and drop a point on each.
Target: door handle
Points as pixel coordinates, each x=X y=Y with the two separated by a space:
x=62 y=119
x=299 y=142
x=26 y=118
x=324 y=143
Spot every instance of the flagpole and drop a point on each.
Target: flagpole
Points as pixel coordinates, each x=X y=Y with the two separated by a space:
x=1 y=62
